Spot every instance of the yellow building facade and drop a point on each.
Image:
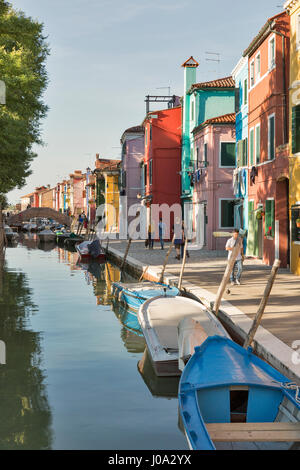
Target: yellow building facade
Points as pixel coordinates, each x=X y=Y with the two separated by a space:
x=112 y=200
x=293 y=9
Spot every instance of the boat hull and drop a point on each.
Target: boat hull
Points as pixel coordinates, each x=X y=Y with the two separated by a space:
x=229 y=395
x=159 y=319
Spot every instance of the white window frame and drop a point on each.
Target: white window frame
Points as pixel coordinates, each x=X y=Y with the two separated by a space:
x=255 y=143
x=271 y=66
x=257 y=74
x=251 y=163
x=220 y=147
x=193 y=109
x=245 y=91
x=252 y=74
x=269 y=118
x=220 y=208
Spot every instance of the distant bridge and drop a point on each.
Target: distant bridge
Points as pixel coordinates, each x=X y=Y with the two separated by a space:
x=42 y=212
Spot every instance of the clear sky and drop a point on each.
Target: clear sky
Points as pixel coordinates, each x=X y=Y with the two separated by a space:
x=106 y=55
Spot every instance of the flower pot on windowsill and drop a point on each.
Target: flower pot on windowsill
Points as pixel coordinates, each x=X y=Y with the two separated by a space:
x=298 y=223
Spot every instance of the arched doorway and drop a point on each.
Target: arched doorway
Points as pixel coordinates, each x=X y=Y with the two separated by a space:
x=282 y=225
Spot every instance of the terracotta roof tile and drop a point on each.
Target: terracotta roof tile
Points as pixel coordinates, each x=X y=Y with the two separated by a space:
x=225 y=119
x=226 y=82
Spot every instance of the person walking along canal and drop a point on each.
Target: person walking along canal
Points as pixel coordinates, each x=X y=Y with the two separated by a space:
x=238 y=265
x=161 y=232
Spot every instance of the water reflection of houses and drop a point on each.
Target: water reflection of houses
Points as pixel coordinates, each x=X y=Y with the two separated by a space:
x=24 y=408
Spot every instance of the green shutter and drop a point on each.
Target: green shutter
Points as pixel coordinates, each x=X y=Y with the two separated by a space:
x=227 y=213
x=270 y=218
x=250 y=237
x=257 y=144
x=271 y=138
x=296 y=129
x=228 y=154
x=239 y=153
x=245 y=152
x=251 y=150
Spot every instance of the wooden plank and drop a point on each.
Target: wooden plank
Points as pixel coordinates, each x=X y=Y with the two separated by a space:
x=258 y=432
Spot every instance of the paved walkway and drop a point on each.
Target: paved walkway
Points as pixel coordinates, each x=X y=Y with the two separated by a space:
x=206 y=268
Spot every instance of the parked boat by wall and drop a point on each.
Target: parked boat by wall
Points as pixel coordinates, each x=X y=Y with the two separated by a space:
x=11 y=236
x=46 y=236
x=91 y=250
x=227 y=394
x=159 y=319
x=133 y=295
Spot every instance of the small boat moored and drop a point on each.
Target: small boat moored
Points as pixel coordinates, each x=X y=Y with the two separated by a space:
x=229 y=395
x=159 y=319
x=11 y=236
x=91 y=249
x=47 y=236
x=133 y=295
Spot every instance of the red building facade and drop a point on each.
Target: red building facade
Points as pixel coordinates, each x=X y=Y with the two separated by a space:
x=268 y=63
x=161 y=181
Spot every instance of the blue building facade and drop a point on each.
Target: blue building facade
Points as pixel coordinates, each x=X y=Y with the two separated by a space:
x=240 y=177
x=201 y=101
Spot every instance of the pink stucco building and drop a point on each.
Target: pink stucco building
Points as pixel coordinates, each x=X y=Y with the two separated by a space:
x=132 y=142
x=213 y=196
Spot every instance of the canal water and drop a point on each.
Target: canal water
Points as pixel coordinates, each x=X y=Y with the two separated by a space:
x=76 y=375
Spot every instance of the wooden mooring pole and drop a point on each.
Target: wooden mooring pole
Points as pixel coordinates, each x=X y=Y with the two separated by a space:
x=143 y=273
x=230 y=264
x=262 y=306
x=183 y=264
x=126 y=253
x=161 y=278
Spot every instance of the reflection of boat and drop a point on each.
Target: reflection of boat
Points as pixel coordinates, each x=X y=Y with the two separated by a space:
x=91 y=250
x=134 y=342
x=227 y=394
x=11 y=236
x=135 y=294
x=47 y=236
x=127 y=317
x=159 y=386
x=72 y=240
x=159 y=319
x=46 y=246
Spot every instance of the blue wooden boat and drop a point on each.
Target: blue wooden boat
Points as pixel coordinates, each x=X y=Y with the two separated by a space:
x=227 y=394
x=133 y=295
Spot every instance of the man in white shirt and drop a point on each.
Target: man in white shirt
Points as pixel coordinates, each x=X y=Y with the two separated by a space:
x=239 y=260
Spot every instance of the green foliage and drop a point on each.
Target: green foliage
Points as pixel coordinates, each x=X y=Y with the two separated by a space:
x=23 y=52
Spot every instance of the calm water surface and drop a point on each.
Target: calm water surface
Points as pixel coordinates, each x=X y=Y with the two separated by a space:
x=76 y=377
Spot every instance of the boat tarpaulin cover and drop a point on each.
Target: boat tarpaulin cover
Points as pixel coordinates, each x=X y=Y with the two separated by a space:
x=94 y=248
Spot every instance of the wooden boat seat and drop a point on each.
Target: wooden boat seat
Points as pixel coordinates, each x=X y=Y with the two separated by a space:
x=255 y=432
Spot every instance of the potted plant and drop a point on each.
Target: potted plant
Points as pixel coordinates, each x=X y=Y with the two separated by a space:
x=298 y=223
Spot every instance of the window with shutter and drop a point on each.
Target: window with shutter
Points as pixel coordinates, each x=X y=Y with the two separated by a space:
x=245 y=91
x=251 y=149
x=270 y=218
x=239 y=153
x=296 y=129
x=257 y=144
x=205 y=154
x=271 y=137
x=227 y=213
x=227 y=157
x=245 y=152
x=237 y=100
